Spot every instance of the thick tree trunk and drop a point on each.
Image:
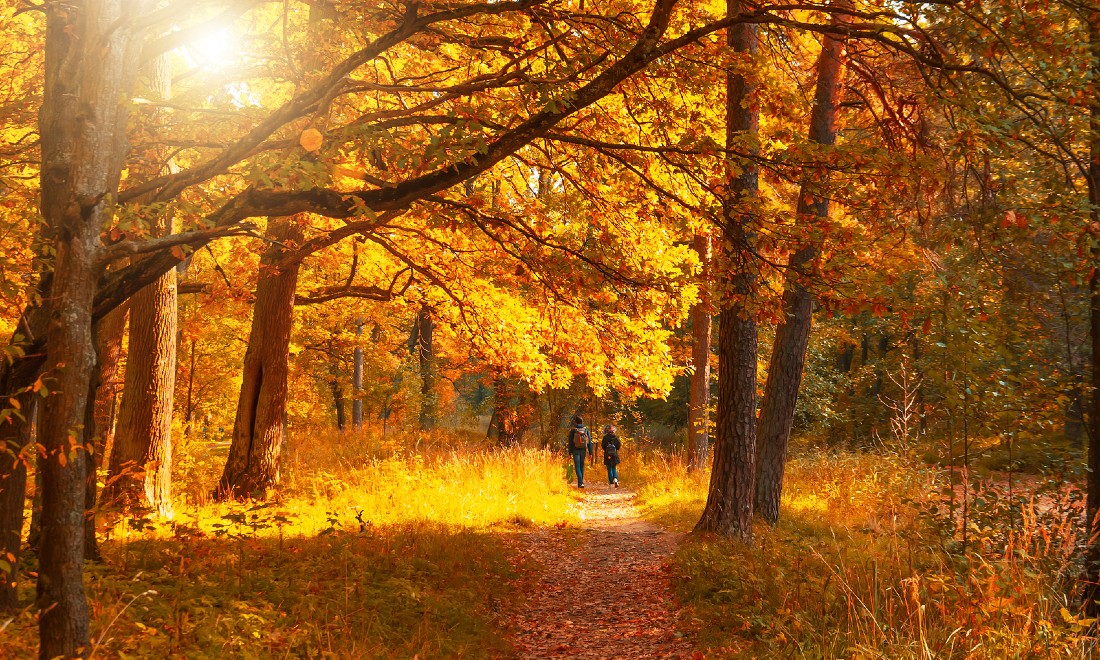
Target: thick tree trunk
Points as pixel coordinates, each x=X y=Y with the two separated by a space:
x=88 y=82
x=63 y=623
x=141 y=460
x=429 y=377
x=699 y=390
x=253 y=463
x=788 y=357
x=728 y=510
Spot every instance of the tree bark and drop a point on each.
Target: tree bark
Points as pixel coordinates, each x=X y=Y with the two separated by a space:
x=91 y=546
x=788 y=357
x=88 y=81
x=15 y=441
x=338 y=404
x=357 y=381
x=99 y=428
x=63 y=624
x=699 y=390
x=429 y=377
x=17 y=437
x=253 y=463
x=728 y=510
x=189 y=427
x=1092 y=499
x=110 y=331
x=141 y=460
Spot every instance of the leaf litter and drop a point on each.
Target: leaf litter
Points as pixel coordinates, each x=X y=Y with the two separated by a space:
x=598 y=591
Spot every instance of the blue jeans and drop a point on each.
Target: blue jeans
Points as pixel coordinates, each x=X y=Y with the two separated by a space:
x=578 y=465
x=612 y=473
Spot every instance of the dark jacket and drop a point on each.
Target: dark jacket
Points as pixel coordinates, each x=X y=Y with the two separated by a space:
x=569 y=447
x=611 y=446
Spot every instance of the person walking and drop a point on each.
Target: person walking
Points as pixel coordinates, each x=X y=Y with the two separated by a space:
x=578 y=443
x=611 y=444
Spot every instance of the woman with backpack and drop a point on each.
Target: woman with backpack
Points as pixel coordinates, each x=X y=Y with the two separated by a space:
x=578 y=442
x=611 y=445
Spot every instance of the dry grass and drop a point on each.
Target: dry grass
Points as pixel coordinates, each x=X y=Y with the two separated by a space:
x=867 y=563
x=295 y=576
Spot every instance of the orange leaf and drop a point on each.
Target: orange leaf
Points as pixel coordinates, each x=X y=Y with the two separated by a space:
x=311 y=139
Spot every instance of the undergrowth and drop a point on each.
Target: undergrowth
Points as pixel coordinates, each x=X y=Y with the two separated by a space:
x=376 y=548
x=369 y=549
x=868 y=561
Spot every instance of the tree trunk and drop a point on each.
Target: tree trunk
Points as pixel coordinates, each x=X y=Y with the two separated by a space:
x=788 y=357
x=141 y=461
x=88 y=81
x=338 y=404
x=728 y=509
x=98 y=430
x=699 y=391
x=63 y=623
x=253 y=463
x=429 y=397
x=1092 y=585
x=109 y=334
x=338 y=401
x=15 y=440
x=189 y=428
x=357 y=381
x=91 y=546
x=17 y=436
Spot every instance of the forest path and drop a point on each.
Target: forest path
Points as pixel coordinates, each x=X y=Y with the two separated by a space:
x=603 y=590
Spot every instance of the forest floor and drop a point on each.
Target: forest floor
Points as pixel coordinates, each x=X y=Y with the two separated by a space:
x=600 y=590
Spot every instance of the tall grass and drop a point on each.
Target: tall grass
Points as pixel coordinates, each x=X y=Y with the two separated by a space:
x=298 y=575
x=867 y=562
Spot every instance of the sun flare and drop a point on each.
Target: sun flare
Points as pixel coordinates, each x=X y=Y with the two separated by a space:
x=215 y=49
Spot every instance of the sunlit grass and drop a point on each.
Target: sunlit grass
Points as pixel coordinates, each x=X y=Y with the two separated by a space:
x=297 y=576
x=863 y=564
x=330 y=478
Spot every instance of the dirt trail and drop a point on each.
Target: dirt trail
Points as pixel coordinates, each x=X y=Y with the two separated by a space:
x=604 y=590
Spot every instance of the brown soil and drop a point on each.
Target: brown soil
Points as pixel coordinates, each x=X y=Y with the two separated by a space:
x=600 y=591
